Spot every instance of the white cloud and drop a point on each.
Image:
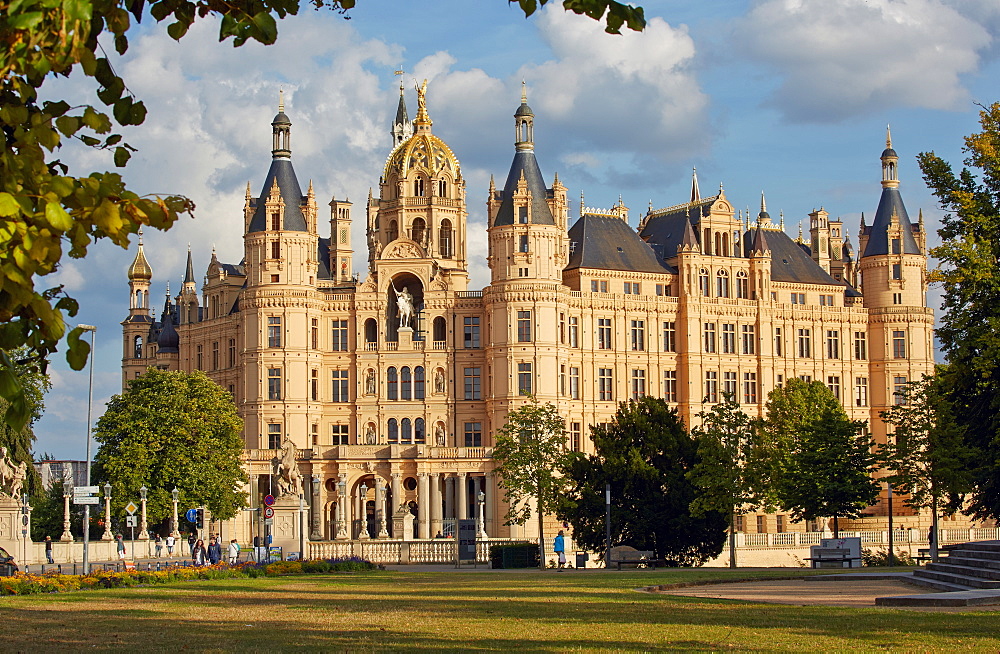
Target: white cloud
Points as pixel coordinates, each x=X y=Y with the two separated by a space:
x=840 y=58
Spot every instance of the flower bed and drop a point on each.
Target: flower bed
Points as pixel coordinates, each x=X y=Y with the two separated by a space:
x=31 y=584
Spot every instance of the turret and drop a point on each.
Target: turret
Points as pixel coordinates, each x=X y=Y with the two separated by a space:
x=140 y=273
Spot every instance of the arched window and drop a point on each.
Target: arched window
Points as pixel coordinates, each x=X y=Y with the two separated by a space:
x=445 y=239
x=393 y=232
x=725 y=245
x=722 y=284
x=440 y=328
x=405 y=437
x=418 y=230
x=371 y=331
x=390 y=382
x=704 y=284
x=718 y=244
x=137 y=344
x=404 y=383
x=418 y=431
x=442 y=188
x=393 y=431
x=418 y=383
x=742 y=285
x=418 y=187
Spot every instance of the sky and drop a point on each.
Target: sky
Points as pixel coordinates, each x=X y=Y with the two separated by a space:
x=788 y=97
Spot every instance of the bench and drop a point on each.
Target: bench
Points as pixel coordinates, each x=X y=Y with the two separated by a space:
x=821 y=555
x=924 y=554
x=637 y=558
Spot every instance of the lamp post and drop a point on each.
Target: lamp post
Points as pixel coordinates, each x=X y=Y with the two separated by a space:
x=67 y=535
x=383 y=532
x=481 y=500
x=90 y=404
x=341 y=509
x=107 y=513
x=143 y=527
x=363 y=513
x=316 y=505
x=892 y=554
x=173 y=530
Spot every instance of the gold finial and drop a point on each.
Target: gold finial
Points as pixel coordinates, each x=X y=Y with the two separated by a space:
x=524 y=92
x=581 y=204
x=781 y=222
x=281 y=100
x=888 y=138
x=399 y=71
x=422 y=117
x=140 y=230
x=763 y=204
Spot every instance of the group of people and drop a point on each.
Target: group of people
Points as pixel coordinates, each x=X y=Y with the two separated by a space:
x=200 y=554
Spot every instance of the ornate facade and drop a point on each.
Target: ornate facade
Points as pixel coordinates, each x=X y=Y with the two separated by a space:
x=389 y=386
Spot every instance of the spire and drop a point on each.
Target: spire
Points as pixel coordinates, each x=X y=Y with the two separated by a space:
x=402 y=128
x=760 y=245
x=140 y=268
x=888 y=138
x=862 y=222
x=281 y=100
x=695 y=193
x=781 y=221
x=281 y=131
x=688 y=241
x=524 y=124
x=763 y=218
x=189 y=273
x=920 y=221
x=524 y=92
x=890 y=163
x=249 y=196
x=581 y=204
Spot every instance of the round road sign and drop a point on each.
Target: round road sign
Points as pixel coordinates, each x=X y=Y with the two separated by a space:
x=268 y=512
x=268 y=500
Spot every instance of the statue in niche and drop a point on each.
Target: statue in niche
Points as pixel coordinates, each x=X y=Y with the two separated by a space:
x=404 y=302
x=439 y=436
x=370 y=437
x=439 y=381
x=370 y=381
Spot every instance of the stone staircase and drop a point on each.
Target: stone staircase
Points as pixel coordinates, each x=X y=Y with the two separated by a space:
x=968 y=566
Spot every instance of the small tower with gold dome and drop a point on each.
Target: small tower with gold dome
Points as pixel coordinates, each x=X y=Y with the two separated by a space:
x=136 y=325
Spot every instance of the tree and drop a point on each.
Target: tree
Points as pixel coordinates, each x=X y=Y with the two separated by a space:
x=18 y=440
x=646 y=454
x=172 y=429
x=969 y=273
x=530 y=451
x=931 y=463
x=727 y=473
x=42 y=205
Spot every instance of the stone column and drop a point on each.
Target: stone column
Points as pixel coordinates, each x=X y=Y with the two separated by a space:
x=487 y=519
x=342 y=504
x=143 y=525
x=435 y=504
x=423 y=506
x=463 y=496
x=380 y=507
x=107 y=518
x=361 y=513
x=67 y=535
x=316 y=509
x=397 y=494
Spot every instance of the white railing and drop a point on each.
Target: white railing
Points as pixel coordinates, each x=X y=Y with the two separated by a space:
x=900 y=536
x=397 y=552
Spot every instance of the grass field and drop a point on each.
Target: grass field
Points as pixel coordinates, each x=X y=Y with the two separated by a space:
x=433 y=611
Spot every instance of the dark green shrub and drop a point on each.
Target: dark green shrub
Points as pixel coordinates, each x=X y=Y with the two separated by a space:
x=514 y=555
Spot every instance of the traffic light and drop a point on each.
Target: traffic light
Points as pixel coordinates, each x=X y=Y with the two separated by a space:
x=201 y=519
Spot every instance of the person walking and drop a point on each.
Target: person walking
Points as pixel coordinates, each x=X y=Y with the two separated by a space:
x=121 y=547
x=198 y=552
x=191 y=542
x=159 y=545
x=214 y=551
x=559 y=547
x=48 y=549
x=234 y=551
x=170 y=545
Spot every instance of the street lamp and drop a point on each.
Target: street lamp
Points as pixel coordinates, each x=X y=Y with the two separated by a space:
x=107 y=513
x=481 y=500
x=175 y=494
x=363 y=513
x=315 y=505
x=143 y=527
x=90 y=404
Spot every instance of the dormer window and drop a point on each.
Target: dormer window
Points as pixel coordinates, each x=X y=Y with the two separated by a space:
x=276 y=221
x=522 y=215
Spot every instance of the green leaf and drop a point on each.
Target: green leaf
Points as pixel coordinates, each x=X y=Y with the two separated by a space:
x=8 y=205
x=177 y=30
x=78 y=350
x=122 y=156
x=57 y=217
x=25 y=21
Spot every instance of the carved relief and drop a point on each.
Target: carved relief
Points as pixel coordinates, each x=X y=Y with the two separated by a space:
x=403 y=249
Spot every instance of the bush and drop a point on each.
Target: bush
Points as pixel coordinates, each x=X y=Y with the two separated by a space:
x=514 y=555
x=880 y=557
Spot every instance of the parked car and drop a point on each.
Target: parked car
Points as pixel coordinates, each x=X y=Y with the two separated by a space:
x=7 y=564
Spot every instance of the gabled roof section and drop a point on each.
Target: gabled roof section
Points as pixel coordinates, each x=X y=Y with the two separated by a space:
x=789 y=263
x=890 y=203
x=608 y=243
x=666 y=227
x=282 y=171
x=323 y=255
x=526 y=164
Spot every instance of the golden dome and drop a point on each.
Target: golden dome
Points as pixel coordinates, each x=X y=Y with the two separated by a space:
x=140 y=268
x=423 y=151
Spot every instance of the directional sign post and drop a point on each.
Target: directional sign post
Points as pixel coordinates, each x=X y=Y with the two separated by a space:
x=86 y=495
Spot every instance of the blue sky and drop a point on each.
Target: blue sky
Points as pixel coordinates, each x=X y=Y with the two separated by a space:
x=786 y=96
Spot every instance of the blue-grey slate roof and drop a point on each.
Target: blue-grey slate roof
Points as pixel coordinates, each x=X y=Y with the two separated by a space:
x=524 y=161
x=789 y=262
x=281 y=170
x=667 y=229
x=878 y=232
x=608 y=243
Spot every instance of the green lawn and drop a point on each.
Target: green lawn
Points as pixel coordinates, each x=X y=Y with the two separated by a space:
x=388 y=611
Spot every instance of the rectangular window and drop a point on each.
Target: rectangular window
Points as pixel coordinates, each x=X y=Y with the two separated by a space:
x=604 y=286
x=574 y=432
x=897 y=298
x=562 y=380
x=897 y=271
x=274 y=383
x=232 y=352
x=860 y=391
x=833 y=383
x=314 y=385
x=562 y=328
x=631 y=288
x=708 y=337
x=860 y=346
x=198 y=358
x=638 y=384
x=340 y=388
x=711 y=386
x=523 y=326
x=275 y=250
x=832 y=344
x=826 y=300
x=471 y=336
x=274 y=331
x=215 y=355
x=898 y=389
x=604 y=333
x=798 y=298
x=340 y=434
x=899 y=344
x=339 y=336
x=896 y=246
x=742 y=286
x=777 y=341
x=524 y=378
x=805 y=344
x=593 y=286
x=669 y=385
x=574 y=383
x=806 y=378
x=738 y=524
x=728 y=338
x=762 y=524
x=522 y=272
x=749 y=339
x=472 y=383
x=275 y=221
x=523 y=243
x=669 y=337
x=314 y=333
x=473 y=434
x=780 y=523
x=274 y=436
x=659 y=289
x=638 y=335
x=750 y=388
x=605 y=392
x=574 y=331
x=729 y=385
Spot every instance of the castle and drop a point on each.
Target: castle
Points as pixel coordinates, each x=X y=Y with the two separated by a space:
x=388 y=387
